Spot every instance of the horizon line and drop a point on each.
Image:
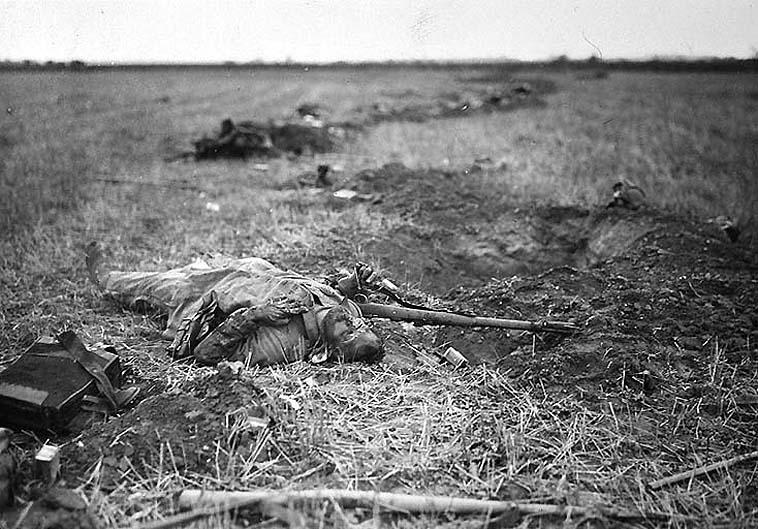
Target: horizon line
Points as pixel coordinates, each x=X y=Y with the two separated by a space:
x=470 y=61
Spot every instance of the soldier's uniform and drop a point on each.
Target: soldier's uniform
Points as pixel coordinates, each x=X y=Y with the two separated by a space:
x=214 y=311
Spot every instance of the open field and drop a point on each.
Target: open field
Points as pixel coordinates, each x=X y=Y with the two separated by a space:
x=662 y=377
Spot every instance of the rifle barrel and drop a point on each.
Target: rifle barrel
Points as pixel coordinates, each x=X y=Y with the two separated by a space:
x=432 y=317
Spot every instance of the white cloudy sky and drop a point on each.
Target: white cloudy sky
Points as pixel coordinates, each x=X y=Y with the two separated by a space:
x=331 y=30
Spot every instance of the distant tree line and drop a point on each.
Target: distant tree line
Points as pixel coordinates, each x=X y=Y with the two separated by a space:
x=658 y=64
x=48 y=65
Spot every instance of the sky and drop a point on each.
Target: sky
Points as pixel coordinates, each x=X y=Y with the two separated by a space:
x=373 y=30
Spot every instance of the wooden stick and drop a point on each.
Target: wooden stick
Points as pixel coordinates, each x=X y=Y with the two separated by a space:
x=209 y=503
x=689 y=474
x=354 y=498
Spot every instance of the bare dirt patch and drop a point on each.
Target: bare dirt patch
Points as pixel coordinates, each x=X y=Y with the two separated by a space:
x=461 y=231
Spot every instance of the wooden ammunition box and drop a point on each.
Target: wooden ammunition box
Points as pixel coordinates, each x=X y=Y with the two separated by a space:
x=44 y=387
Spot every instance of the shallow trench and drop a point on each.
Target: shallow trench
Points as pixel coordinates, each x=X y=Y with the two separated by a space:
x=439 y=257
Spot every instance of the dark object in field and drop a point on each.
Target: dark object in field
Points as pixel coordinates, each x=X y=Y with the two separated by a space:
x=433 y=317
x=310 y=109
x=320 y=179
x=486 y=164
x=733 y=232
x=249 y=139
x=626 y=195
x=524 y=89
x=235 y=141
x=44 y=387
x=728 y=226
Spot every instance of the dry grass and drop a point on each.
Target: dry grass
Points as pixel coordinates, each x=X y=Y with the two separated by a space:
x=688 y=140
x=468 y=433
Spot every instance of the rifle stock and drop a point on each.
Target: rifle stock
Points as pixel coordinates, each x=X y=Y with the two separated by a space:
x=432 y=317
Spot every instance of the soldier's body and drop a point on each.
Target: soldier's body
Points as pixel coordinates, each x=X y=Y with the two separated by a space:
x=248 y=310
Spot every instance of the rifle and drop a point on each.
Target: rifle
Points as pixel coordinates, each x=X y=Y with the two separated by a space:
x=433 y=317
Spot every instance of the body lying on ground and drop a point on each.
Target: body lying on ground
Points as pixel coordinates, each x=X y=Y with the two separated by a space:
x=248 y=310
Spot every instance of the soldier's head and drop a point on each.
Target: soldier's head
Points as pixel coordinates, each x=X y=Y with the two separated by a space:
x=348 y=338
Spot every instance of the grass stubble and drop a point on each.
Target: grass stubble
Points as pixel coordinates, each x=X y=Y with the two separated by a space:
x=688 y=140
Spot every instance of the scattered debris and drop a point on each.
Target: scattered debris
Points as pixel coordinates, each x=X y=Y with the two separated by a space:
x=250 y=139
x=486 y=164
x=322 y=180
x=523 y=89
x=345 y=194
x=256 y=423
x=47 y=463
x=313 y=110
x=234 y=141
x=454 y=356
x=627 y=195
x=319 y=179
x=230 y=369
x=293 y=403
x=727 y=225
x=349 y=194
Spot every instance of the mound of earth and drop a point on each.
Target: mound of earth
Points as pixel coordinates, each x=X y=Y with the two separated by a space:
x=650 y=290
x=674 y=298
x=457 y=232
x=183 y=427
